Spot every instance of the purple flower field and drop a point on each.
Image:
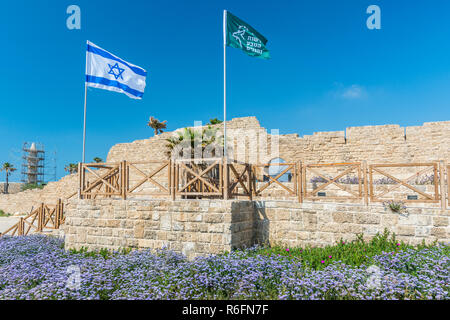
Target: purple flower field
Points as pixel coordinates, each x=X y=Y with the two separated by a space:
x=37 y=267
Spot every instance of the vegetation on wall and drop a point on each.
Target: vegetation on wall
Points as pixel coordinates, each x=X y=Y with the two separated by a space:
x=4 y=214
x=215 y=121
x=198 y=141
x=30 y=186
x=71 y=168
x=157 y=125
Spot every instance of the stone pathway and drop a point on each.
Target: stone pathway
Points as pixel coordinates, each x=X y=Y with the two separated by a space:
x=7 y=222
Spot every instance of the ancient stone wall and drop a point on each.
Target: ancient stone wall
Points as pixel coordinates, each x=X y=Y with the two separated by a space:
x=319 y=224
x=23 y=202
x=193 y=227
x=200 y=227
x=13 y=187
x=375 y=144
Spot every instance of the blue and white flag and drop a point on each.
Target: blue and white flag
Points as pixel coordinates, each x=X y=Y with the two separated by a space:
x=107 y=71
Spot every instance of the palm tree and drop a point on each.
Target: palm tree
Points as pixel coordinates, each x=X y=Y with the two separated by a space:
x=189 y=138
x=215 y=121
x=156 y=125
x=8 y=168
x=71 y=168
x=97 y=160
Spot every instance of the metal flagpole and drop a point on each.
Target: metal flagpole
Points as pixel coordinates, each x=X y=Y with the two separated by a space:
x=84 y=122
x=84 y=125
x=225 y=83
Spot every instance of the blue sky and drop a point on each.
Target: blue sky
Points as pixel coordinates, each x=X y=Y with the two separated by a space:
x=328 y=70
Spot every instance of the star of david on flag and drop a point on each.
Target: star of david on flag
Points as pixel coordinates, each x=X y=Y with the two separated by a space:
x=107 y=71
x=119 y=70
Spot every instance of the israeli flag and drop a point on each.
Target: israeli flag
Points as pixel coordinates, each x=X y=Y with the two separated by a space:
x=107 y=71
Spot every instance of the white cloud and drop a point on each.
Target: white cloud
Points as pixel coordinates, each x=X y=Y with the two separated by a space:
x=352 y=92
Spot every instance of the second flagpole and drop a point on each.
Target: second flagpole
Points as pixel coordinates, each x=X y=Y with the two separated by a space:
x=225 y=83
x=84 y=119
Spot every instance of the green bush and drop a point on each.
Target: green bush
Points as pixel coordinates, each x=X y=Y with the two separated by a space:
x=103 y=252
x=353 y=253
x=4 y=214
x=30 y=186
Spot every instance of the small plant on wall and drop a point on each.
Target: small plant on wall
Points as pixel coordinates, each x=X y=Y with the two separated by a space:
x=395 y=206
x=4 y=214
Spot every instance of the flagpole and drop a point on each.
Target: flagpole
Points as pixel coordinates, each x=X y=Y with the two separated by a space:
x=84 y=122
x=84 y=119
x=224 y=83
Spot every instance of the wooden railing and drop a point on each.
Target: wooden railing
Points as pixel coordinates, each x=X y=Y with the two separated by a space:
x=198 y=178
x=153 y=178
x=240 y=180
x=227 y=179
x=275 y=180
x=101 y=179
x=43 y=218
x=345 y=169
x=419 y=195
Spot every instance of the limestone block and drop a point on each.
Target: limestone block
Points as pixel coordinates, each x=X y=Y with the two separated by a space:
x=166 y=222
x=406 y=230
x=342 y=217
x=367 y=218
x=440 y=221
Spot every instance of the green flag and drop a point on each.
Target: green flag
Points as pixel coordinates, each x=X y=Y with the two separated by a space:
x=242 y=36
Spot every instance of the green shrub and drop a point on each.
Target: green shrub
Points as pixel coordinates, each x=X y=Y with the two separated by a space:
x=30 y=186
x=103 y=252
x=395 y=206
x=353 y=253
x=4 y=214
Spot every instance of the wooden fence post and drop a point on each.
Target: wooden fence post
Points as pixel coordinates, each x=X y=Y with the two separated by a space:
x=436 y=181
x=172 y=179
x=304 y=184
x=57 y=214
x=299 y=182
x=20 y=227
x=124 y=179
x=442 y=168
x=80 y=168
x=249 y=181
x=225 y=179
x=87 y=196
x=254 y=183
x=41 y=217
x=61 y=216
x=366 y=189
x=370 y=184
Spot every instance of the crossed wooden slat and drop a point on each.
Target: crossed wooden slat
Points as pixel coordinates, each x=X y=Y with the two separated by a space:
x=48 y=213
x=290 y=166
x=198 y=176
x=103 y=179
x=240 y=179
x=149 y=177
x=334 y=181
x=400 y=182
x=38 y=219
